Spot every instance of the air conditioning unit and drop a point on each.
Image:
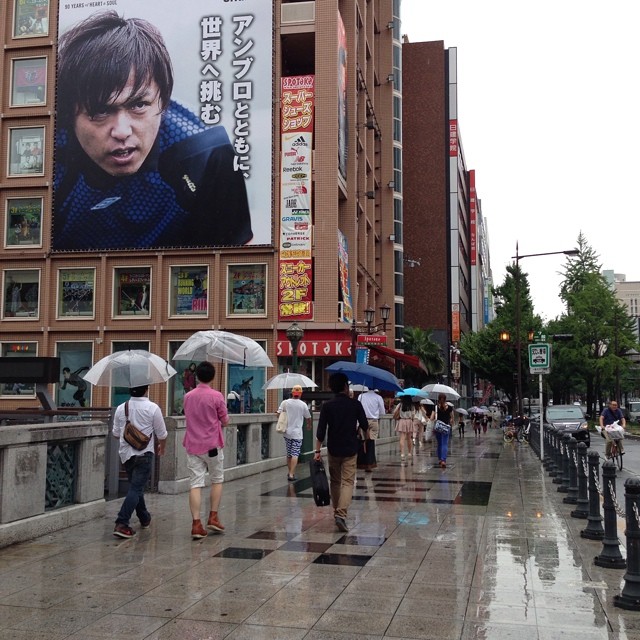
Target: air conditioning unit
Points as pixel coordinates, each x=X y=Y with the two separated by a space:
x=297 y=12
x=341 y=311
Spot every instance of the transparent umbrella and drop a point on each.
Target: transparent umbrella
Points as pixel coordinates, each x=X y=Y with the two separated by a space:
x=223 y=346
x=288 y=381
x=434 y=390
x=132 y=368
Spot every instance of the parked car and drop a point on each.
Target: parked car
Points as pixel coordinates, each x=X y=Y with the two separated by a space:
x=568 y=418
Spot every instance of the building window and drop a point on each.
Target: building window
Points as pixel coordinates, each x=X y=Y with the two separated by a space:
x=181 y=383
x=76 y=289
x=246 y=394
x=26 y=151
x=23 y=222
x=189 y=291
x=18 y=350
x=28 y=82
x=30 y=19
x=132 y=291
x=21 y=294
x=75 y=361
x=246 y=288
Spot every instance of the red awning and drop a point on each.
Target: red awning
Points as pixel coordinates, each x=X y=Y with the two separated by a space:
x=413 y=361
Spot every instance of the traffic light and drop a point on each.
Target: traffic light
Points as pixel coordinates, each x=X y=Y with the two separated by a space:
x=562 y=337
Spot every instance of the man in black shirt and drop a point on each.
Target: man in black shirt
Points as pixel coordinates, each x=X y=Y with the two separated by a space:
x=339 y=420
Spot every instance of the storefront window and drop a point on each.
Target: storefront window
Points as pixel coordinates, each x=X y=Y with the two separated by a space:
x=76 y=293
x=30 y=19
x=21 y=294
x=245 y=385
x=23 y=222
x=75 y=361
x=28 y=81
x=132 y=291
x=246 y=286
x=18 y=350
x=181 y=383
x=26 y=151
x=189 y=291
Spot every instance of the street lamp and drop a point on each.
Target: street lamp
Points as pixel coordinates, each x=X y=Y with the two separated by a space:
x=517 y=258
x=294 y=334
x=370 y=316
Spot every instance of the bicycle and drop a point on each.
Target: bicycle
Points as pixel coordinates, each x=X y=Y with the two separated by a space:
x=509 y=433
x=615 y=453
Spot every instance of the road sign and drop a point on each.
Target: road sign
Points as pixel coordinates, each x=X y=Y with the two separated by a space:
x=540 y=357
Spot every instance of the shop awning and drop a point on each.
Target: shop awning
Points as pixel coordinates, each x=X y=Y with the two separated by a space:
x=413 y=361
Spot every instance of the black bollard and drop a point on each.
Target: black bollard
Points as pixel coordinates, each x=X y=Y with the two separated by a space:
x=582 y=502
x=594 y=530
x=611 y=558
x=548 y=450
x=572 y=491
x=564 y=446
x=557 y=479
x=629 y=598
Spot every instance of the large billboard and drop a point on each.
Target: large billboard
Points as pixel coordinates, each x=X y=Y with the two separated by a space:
x=164 y=125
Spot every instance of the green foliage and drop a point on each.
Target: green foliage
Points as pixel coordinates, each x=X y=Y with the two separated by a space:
x=492 y=359
x=419 y=342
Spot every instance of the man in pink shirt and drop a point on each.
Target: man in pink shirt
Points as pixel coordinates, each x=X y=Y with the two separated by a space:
x=205 y=411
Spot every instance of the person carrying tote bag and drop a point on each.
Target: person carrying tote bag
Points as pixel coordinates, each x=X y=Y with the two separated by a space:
x=297 y=413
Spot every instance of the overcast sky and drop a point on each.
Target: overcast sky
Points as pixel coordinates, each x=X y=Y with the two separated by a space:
x=548 y=118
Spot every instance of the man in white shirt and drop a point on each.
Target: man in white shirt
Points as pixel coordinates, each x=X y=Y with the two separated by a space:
x=297 y=415
x=373 y=406
x=147 y=416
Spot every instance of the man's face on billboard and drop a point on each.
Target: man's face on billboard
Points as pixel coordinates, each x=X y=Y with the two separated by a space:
x=119 y=136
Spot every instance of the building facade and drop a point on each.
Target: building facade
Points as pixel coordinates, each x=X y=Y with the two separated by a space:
x=271 y=192
x=446 y=251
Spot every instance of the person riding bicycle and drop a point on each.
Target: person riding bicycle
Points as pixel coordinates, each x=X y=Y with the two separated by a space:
x=610 y=415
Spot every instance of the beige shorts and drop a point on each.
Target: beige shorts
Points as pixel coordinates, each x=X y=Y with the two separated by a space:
x=199 y=466
x=374 y=429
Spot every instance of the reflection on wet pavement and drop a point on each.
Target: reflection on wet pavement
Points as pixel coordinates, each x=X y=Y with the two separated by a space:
x=484 y=549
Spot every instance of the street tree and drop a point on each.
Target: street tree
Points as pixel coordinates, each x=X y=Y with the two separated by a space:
x=419 y=342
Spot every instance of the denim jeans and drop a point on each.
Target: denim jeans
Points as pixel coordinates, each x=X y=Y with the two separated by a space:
x=443 y=445
x=138 y=470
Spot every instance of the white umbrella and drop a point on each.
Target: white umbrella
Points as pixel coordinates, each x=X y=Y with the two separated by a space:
x=462 y=411
x=288 y=381
x=434 y=390
x=358 y=388
x=223 y=346
x=426 y=401
x=132 y=368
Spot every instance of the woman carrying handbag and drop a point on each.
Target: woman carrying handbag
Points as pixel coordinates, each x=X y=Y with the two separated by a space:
x=442 y=429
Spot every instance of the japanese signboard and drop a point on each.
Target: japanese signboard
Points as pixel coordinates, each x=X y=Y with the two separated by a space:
x=539 y=357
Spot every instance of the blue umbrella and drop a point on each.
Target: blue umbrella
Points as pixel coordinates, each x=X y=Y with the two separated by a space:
x=373 y=377
x=413 y=392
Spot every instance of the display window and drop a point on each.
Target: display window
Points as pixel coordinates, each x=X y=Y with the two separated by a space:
x=21 y=294
x=75 y=361
x=76 y=293
x=245 y=393
x=246 y=287
x=30 y=18
x=132 y=291
x=26 y=151
x=28 y=82
x=189 y=291
x=18 y=350
x=23 y=222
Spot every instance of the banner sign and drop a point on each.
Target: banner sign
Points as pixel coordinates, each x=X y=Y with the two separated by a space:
x=295 y=267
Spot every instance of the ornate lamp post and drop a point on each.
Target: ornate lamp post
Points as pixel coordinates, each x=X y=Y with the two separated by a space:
x=370 y=316
x=294 y=334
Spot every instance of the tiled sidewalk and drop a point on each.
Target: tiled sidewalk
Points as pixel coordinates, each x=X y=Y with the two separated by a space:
x=484 y=549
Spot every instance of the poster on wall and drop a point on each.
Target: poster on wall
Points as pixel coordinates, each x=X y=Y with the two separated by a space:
x=30 y=18
x=189 y=290
x=192 y=167
x=75 y=292
x=247 y=289
x=245 y=384
x=133 y=292
x=24 y=222
x=75 y=361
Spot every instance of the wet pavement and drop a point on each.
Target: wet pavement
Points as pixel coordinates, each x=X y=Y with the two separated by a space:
x=482 y=549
